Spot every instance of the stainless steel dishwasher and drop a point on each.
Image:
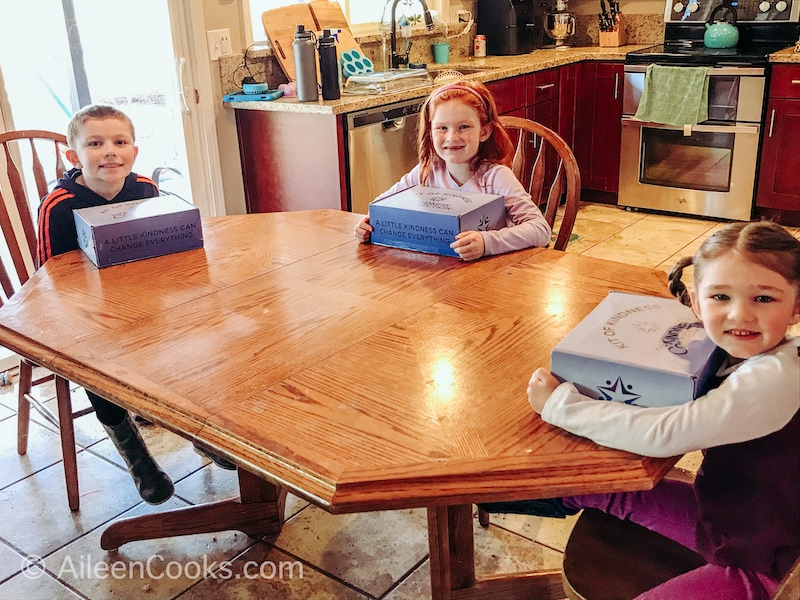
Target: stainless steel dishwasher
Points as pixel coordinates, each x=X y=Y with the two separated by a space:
x=381 y=148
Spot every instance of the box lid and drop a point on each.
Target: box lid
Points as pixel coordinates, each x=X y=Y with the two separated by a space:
x=645 y=331
x=436 y=200
x=134 y=209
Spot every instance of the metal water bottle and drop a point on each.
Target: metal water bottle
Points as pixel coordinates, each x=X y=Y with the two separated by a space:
x=305 y=67
x=328 y=66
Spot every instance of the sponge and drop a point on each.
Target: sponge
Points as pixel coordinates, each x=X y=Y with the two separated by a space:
x=355 y=63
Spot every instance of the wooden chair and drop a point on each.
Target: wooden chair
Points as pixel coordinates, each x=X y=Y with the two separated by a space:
x=610 y=559
x=19 y=230
x=546 y=166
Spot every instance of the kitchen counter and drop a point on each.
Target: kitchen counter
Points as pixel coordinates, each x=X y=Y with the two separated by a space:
x=785 y=56
x=498 y=67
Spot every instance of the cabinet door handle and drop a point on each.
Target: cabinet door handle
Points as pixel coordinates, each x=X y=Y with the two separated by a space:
x=795 y=81
x=616 y=86
x=771 y=122
x=546 y=86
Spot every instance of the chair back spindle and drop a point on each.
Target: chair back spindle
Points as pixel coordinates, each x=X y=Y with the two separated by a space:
x=546 y=166
x=24 y=205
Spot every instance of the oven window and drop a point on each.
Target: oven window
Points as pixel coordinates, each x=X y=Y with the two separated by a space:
x=700 y=161
x=723 y=96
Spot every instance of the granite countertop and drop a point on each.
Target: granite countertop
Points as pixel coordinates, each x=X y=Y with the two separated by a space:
x=498 y=67
x=785 y=56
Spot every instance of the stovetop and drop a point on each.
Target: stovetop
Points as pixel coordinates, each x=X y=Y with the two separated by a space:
x=683 y=45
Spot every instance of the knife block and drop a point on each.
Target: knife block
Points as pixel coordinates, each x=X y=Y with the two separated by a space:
x=615 y=38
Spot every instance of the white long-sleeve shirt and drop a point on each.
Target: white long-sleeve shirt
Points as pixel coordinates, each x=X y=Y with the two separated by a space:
x=526 y=227
x=758 y=397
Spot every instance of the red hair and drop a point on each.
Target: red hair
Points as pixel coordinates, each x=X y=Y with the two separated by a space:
x=496 y=149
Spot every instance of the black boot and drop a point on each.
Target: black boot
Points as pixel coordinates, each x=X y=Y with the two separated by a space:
x=153 y=485
x=546 y=507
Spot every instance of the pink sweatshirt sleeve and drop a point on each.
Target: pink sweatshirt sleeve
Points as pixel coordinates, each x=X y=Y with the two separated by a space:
x=526 y=227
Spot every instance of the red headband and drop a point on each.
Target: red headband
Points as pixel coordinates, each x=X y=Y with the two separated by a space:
x=460 y=86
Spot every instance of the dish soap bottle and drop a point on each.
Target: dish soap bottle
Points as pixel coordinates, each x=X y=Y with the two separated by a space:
x=305 y=67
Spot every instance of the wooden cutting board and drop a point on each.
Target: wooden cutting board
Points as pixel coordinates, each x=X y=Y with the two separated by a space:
x=280 y=23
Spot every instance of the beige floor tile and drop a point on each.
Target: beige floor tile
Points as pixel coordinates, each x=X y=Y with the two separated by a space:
x=44 y=450
x=370 y=551
x=10 y=562
x=36 y=519
x=609 y=214
x=155 y=570
x=6 y=413
x=552 y=533
x=497 y=550
x=34 y=588
x=264 y=572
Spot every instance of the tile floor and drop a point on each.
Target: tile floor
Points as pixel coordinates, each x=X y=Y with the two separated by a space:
x=48 y=552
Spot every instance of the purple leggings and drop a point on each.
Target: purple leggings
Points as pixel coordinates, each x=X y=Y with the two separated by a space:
x=671 y=510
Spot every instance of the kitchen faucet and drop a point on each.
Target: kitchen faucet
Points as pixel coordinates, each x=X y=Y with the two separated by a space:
x=402 y=59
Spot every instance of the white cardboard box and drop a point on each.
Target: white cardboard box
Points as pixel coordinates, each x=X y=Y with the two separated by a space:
x=127 y=231
x=428 y=219
x=641 y=350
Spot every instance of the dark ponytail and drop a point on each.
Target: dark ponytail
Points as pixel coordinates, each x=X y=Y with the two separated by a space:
x=676 y=287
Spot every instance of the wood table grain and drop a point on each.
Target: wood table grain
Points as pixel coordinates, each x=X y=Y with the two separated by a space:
x=355 y=376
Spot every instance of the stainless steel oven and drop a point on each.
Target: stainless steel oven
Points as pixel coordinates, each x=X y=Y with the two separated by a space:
x=707 y=169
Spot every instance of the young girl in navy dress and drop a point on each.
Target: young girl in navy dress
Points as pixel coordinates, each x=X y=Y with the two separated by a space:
x=742 y=512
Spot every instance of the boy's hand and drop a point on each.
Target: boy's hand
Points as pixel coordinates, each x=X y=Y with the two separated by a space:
x=541 y=385
x=363 y=231
x=469 y=245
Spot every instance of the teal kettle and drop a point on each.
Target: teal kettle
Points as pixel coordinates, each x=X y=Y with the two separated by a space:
x=721 y=29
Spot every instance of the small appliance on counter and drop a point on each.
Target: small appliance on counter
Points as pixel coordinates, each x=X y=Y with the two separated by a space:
x=508 y=26
x=560 y=25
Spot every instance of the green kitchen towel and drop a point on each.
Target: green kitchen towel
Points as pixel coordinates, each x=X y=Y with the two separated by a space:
x=674 y=95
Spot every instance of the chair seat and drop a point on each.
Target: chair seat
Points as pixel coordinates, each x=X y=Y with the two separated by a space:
x=610 y=559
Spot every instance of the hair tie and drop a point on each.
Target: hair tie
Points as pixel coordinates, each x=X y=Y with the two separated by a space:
x=459 y=86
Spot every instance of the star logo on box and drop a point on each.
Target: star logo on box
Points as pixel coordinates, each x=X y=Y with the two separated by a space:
x=618 y=392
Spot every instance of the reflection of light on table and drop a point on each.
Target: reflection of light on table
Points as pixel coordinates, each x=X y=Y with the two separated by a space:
x=556 y=303
x=443 y=384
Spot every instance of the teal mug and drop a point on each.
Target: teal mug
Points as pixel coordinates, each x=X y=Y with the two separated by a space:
x=441 y=53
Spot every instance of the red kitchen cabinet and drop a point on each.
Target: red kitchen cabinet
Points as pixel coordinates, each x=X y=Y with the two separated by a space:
x=778 y=183
x=598 y=127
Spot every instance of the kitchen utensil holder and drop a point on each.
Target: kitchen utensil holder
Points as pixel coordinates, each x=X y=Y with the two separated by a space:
x=615 y=38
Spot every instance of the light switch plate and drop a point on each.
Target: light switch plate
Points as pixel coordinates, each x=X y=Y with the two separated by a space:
x=219 y=43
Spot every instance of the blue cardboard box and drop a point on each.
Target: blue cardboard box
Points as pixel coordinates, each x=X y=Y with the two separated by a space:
x=636 y=349
x=428 y=219
x=127 y=231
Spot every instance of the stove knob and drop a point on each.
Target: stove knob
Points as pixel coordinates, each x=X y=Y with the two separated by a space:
x=693 y=6
x=678 y=7
x=780 y=6
x=764 y=6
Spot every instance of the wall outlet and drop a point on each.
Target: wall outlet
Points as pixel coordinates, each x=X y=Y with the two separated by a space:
x=219 y=43
x=463 y=16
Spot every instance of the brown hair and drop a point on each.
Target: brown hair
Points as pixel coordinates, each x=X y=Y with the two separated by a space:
x=496 y=149
x=764 y=243
x=94 y=111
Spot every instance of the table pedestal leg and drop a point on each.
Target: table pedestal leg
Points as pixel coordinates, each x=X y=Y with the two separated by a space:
x=258 y=511
x=452 y=554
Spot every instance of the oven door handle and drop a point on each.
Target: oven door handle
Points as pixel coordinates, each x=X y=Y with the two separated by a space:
x=736 y=128
x=712 y=71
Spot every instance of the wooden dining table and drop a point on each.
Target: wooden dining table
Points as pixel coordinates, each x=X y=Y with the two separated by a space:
x=357 y=377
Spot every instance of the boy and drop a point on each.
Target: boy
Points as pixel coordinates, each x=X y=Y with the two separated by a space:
x=101 y=147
